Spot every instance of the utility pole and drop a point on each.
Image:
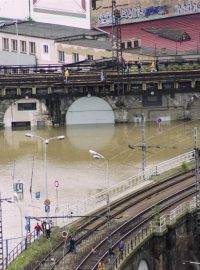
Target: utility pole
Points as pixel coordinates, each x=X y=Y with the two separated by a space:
x=1 y=237
x=116 y=44
x=1 y=233
x=144 y=147
x=196 y=149
x=116 y=34
x=29 y=9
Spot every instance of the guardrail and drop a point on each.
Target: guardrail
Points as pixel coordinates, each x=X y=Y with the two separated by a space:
x=98 y=200
x=164 y=64
x=23 y=245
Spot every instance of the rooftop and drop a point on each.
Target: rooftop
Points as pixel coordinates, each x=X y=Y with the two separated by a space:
x=84 y=42
x=48 y=31
x=152 y=41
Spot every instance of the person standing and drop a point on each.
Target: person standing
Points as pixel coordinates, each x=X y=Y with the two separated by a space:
x=102 y=77
x=153 y=66
x=72 y=244
x=66 y=74
x=111 y=254
x=38 y=229
x=101 y=266
x=157 y=65
x=46 y=227
x=139 y=66
x=127 y=67
x=121 y=247
x=48 y=230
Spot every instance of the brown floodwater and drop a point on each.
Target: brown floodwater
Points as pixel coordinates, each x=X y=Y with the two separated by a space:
x=69 y=163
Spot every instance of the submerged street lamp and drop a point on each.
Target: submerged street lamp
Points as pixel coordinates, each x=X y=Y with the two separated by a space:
x=20 y=211
x=45 y=142
x=97 y=155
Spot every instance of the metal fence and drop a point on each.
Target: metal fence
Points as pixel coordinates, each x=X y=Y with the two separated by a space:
x=23 y=245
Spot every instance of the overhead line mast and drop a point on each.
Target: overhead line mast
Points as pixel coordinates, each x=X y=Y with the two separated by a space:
x=117 y=48
x=116 y=34
x=197 y=180
x=143 y=146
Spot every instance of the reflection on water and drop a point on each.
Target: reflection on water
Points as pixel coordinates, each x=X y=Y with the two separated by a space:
x=69 y=162
x=92 y=136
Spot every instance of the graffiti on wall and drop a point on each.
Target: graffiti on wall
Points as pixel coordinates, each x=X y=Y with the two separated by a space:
x=187 y=8
x=133 y=13
x=139 y=13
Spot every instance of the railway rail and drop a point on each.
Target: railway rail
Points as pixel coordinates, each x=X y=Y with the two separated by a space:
x=134 y=225
x=136 y=205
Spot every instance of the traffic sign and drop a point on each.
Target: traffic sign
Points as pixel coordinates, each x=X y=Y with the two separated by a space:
x=37 y=195
x=64 y=234
x=158 y=120
x=56 y=183
x=47 y=208
x=47 y=202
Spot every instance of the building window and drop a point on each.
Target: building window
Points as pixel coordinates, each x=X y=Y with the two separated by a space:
x=46 y=48
x=32 y=48
x=136 y=43
x=90 y=57
x=23 y=46
x=129 y=44
x=26 y=106
x=5 y=44
x=75 y=57
x=61 y=56
x=123 y=45
x=14 y=45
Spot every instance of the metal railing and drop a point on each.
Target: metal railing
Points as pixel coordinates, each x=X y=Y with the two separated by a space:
x=98 y=200
x=154 y=227
x=23 y=245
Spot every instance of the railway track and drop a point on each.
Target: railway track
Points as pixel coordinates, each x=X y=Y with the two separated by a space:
x=135 y=205
x=123 y=232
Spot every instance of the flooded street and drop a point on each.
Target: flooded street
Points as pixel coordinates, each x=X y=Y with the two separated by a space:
x=69 y=163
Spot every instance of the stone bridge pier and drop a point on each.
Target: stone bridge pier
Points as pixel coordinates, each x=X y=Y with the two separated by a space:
x=168 y=251
x=91 y=109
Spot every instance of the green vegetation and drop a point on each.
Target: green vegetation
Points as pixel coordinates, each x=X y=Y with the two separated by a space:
x=39 y=249
x=29 y=19
x=184 y=166
x=34 y=252
x=156 y=211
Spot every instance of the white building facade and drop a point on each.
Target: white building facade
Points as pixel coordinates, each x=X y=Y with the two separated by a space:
x=31 y=42
x=71 y=13
x=43 y=51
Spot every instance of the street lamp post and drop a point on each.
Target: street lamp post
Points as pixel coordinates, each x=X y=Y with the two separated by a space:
x=97 y=155
x=18 y=45
x=1 y=230
x=21 y=218
x=45 y=142
x=1 y=233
